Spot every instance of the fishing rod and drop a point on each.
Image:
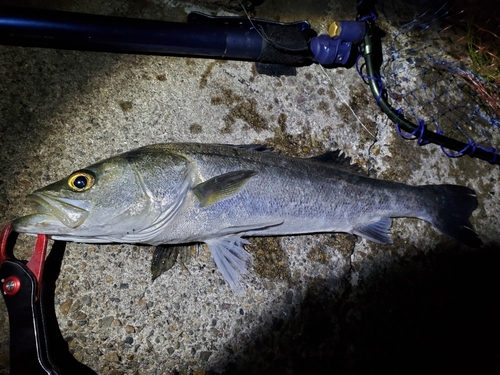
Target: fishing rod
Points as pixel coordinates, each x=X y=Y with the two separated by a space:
x=237 y=38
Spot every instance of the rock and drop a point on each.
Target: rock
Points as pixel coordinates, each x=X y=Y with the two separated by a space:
x=65 y=306
x=111 y=357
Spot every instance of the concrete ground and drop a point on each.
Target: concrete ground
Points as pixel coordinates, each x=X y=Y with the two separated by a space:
x=326 y=303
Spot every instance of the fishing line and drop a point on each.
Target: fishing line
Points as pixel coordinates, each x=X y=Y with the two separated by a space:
x=339 y=95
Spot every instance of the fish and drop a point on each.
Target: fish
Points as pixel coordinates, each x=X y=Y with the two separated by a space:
x=183 y=193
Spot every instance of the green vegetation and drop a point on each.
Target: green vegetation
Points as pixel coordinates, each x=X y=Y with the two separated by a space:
x=484 y=50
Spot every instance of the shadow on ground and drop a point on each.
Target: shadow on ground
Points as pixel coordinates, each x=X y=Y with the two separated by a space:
x=435 y=314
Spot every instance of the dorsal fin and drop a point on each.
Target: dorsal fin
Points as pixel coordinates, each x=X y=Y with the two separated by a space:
x=253 y=147
x=340 y=161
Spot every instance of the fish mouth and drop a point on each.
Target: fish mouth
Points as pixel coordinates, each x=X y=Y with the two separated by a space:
x=50 y=213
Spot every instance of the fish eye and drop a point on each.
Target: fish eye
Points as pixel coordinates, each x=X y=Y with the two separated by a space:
x=81 y=180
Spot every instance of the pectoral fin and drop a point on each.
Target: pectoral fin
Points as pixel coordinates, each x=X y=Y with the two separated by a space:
x=377 y=231
x=221 y=187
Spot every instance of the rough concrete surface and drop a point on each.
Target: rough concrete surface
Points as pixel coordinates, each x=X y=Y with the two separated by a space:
x=326 y=303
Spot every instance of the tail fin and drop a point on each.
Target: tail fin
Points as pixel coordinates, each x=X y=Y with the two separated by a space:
x=455 y=204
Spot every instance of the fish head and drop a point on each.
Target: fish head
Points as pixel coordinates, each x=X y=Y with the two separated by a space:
x=99 y=200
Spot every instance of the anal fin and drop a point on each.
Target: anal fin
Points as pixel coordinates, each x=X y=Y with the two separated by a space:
x=377 y=232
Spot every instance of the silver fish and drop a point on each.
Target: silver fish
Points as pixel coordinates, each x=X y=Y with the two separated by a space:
x=182 y=193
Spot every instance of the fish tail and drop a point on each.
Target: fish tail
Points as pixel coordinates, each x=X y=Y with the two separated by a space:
x=451 y=207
